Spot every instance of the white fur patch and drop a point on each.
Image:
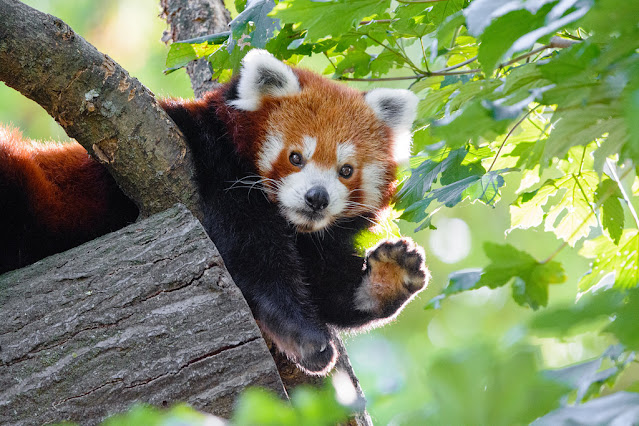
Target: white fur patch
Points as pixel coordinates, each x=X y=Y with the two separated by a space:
x=294 y=187
x=372 y=182
x=269 y=152
x=397 y=108
x=263 y=75
x=364 y=300
x=310 y=144
x=345 y=152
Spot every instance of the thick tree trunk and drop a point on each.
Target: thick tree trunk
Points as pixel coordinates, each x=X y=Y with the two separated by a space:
x=145 y=314
x=108 y=112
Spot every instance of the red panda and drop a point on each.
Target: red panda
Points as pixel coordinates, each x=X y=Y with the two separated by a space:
x=291 y=167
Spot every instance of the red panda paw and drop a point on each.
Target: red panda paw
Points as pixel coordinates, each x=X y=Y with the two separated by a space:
x=395 y=272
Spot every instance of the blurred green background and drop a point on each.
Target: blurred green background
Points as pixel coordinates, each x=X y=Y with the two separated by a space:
x=398 y=364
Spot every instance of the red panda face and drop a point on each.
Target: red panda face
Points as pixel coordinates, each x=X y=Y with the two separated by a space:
x=324 y=151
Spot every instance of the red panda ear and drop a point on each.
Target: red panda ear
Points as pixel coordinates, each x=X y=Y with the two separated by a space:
x=263 y=75
x=397 y=108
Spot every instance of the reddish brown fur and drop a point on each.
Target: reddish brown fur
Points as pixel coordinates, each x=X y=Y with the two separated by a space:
x=62 y=181
x=387 y=281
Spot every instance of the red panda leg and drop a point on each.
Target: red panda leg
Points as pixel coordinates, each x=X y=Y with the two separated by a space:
x=395 y=273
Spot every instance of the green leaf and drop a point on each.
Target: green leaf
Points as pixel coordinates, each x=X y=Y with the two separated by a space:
x=354 y=62
x=624 y=327
x=588 y=377
x=631 y=110
x=527 y=211
x=425 y=175
x=576 y=205
x=486 y=189
x=327 y=18
x=141 y=414
x=612 y=215
x=570 y=319
x=180 y=54
x=482 y=377
x=256 y=14
x=530 y=278
x=612 y=17
x=618 y=408
x=580 y=126
x=257 y=406
x=240 y=5
x=612 y=263
x=458 y=282
x=502 y=32
x=314 y=406
x=225 y=64
x=469 y=124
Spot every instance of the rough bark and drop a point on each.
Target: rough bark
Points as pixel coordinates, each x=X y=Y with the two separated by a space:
x=148 y=313
x=110 y=113
x=189 y=19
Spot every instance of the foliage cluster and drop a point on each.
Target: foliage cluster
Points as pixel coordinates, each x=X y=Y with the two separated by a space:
x=546 y=92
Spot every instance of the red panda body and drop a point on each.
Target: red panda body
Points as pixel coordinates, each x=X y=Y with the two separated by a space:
x=53 y=197
x=290 y=167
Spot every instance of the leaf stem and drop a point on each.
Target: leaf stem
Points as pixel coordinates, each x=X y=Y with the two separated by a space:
x=421 y=42
x=583 y=194
x=508 y=136
x=329 y=60
x=613 y=172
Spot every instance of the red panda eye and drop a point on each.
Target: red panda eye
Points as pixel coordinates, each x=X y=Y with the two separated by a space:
x=296 y=159
x=346 y=171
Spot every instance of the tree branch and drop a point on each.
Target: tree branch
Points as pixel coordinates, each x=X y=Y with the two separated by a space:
x=111 y=114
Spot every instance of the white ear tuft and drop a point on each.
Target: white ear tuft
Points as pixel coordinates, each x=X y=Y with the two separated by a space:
x=397 y=108
x=263 y=75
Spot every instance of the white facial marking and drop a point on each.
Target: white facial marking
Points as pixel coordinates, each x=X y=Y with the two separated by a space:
x=294 y=187
x=261 y=75
x=269 y=153
x=372 y=182
x=309 y=147
x=345 y=153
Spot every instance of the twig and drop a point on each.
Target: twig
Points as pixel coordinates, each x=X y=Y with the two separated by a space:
x=508 y=136
x=403 y=57
x=613 y=172
x=459 y=65
x=555 y=43
x=412 y=77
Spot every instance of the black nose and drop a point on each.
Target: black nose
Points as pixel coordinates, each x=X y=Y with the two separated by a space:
x=317 y=198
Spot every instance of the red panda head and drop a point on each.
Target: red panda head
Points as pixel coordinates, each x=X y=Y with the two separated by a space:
x=323 y=150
